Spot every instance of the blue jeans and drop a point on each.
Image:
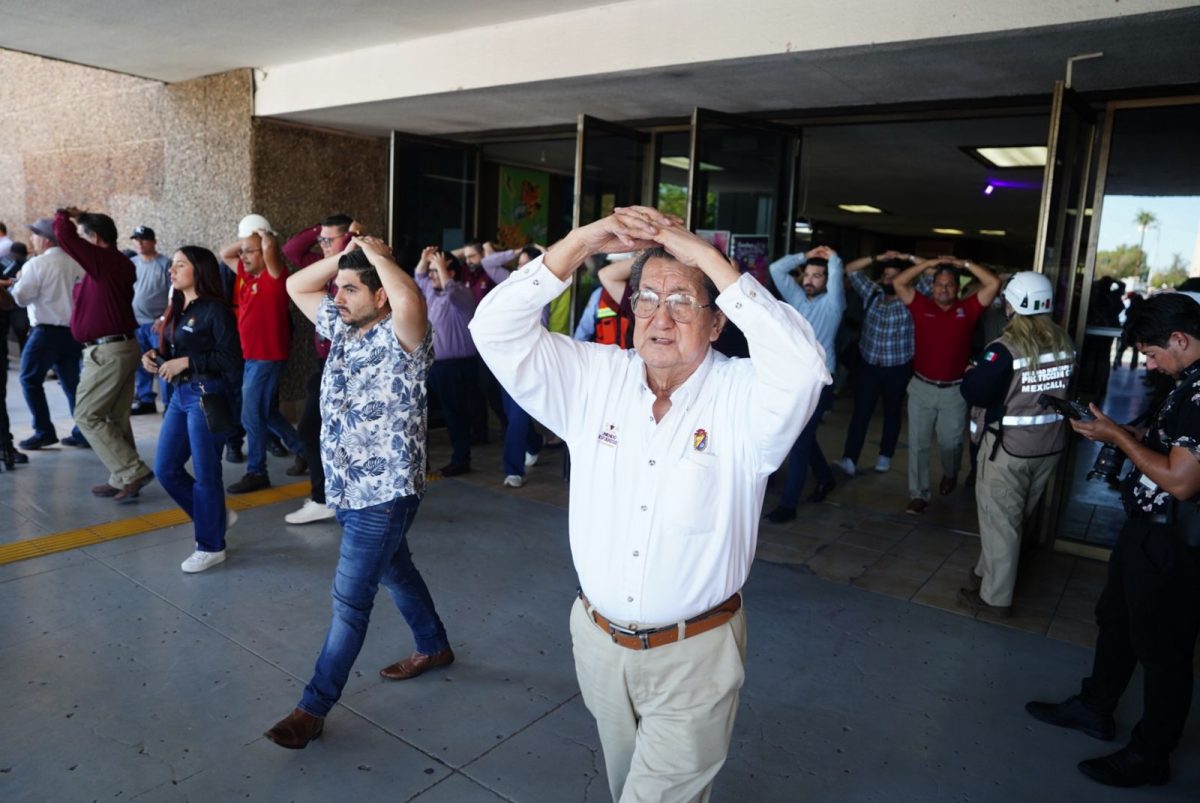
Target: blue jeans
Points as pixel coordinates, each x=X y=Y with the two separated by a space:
x=374 y=550
x=49 y=347
x=185 y=434
x=520 y=436
x=260 y=383
x=806 y=453
x=143 y=382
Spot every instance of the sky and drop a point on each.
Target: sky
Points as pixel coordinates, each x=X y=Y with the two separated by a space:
x=1176 y=232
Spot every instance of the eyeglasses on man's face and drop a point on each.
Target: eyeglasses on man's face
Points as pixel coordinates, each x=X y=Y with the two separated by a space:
x=682 y=307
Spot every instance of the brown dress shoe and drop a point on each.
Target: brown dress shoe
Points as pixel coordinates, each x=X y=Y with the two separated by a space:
x=134 y=488
x=948 y=485
x=416 y=664
x=104 y=489
x=296 y=730
x=916 y=507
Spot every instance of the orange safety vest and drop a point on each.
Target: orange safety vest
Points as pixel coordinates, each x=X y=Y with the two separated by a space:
x=612 y=328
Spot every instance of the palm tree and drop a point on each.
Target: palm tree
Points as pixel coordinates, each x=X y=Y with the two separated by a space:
x=1144 y=220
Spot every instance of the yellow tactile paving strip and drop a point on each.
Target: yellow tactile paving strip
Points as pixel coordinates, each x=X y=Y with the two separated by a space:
x=136 y=525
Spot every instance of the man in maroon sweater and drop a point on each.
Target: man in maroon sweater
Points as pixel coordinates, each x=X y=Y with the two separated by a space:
x=102 y=320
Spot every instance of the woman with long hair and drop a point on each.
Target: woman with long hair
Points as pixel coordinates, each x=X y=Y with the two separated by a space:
x=200 y=355
x=1019 y=438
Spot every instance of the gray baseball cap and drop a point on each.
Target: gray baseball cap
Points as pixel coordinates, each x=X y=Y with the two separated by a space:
x=45 y=227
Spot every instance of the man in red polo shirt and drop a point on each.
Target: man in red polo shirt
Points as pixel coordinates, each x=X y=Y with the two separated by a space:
x=942 y=326
x=265 y=329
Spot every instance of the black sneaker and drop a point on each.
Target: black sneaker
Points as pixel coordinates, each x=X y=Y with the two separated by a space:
x=143 y=408
x=250 y=482
x=35 y=442
x=1074 y=713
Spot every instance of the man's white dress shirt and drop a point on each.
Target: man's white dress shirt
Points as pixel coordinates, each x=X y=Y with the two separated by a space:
x=663 y=516
x=46 y=287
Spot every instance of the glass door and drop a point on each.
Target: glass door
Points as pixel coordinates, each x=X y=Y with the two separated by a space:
x=610 y=171
x=433 y=197
x=741 y=180
x=1144 y=238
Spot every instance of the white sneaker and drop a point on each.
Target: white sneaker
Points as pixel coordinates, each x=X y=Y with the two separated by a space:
x=531 y=459
x=199 y=561
x=847 y=466
x=883 y=464
x=231 y=517
x=310 y=511
x=514 y=481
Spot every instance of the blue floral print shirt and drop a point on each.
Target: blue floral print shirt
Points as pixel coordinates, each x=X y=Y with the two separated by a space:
x=373 y=413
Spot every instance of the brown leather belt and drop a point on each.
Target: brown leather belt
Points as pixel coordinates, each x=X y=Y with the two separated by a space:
x=660 y=636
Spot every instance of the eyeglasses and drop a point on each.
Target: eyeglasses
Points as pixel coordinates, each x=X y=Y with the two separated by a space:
x=248 y=251
x=682 y=307
x=323 y=241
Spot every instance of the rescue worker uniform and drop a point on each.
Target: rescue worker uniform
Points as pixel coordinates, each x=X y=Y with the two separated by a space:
x=1019 y=447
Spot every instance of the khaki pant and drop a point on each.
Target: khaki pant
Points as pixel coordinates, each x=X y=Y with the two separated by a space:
x=932 y=409
x=665 y=715
x=1007 y=490
x=102 y=403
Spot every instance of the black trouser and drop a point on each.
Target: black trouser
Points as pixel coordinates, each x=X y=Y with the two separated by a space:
x=451 y=380
x=1148 y=613
x=871 y=382
x=310 y=433
x=5 y=435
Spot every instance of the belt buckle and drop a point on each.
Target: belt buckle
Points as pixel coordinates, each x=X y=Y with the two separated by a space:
x=642 y=636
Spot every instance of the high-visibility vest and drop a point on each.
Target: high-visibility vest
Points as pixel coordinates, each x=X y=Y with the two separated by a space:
x=612 y=328
x=1026 y=429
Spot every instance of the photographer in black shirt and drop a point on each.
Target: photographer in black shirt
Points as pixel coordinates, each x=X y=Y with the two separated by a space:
x=1149 y=611
x=201 y=355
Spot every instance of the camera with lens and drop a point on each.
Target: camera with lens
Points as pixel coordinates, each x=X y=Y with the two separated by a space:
x=1108 y=465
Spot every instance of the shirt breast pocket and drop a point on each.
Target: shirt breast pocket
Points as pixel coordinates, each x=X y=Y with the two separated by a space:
x=690 y=502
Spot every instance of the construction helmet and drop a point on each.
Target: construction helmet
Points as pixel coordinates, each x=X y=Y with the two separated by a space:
x=252 y=223
x=1029 y=293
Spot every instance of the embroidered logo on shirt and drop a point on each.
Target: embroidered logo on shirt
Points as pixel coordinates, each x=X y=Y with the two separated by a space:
x=609 y=436
x=700 y=440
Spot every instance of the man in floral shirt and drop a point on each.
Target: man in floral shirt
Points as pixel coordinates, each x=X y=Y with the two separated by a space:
x=373 y=447
x=1149 y=611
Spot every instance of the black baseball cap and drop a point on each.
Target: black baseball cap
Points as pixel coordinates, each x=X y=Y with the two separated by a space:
x=143 y=233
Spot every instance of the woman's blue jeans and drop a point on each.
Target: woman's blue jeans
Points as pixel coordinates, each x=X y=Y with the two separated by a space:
x=374 y=551
x=185 y=434
x=520 y=436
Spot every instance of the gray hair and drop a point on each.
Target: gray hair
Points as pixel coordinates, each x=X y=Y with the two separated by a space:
x=635 y=273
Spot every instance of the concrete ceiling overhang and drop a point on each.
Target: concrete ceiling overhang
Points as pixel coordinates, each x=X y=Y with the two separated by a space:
x=1152 y=50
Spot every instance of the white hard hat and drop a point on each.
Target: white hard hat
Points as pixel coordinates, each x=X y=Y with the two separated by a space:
x=1029 y=293
x=252 y=223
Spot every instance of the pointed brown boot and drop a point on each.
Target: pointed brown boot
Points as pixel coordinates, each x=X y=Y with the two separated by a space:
x=416 y=664
x=296 y=730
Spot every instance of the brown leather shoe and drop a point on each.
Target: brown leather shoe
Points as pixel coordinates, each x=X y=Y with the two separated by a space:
x=134 y=488
x=416 y=664
x=104 y=489
x=916 y=507
x=296 y=730
x=948 y=485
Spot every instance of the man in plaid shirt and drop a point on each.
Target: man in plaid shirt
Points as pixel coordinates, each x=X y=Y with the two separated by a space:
x=886 y=345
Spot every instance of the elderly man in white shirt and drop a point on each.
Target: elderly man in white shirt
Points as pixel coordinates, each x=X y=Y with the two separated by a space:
x=683 y=440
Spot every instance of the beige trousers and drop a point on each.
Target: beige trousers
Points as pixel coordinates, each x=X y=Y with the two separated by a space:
x=102 y=403
x=930 y=410
x=1007 y=491
x=665 y=715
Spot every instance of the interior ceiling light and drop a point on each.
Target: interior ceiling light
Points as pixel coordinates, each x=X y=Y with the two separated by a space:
x=989 y=189
x=1012 y=156
x=683 y=163
x=860 y=209
x=948 y=231
x=993 y=232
